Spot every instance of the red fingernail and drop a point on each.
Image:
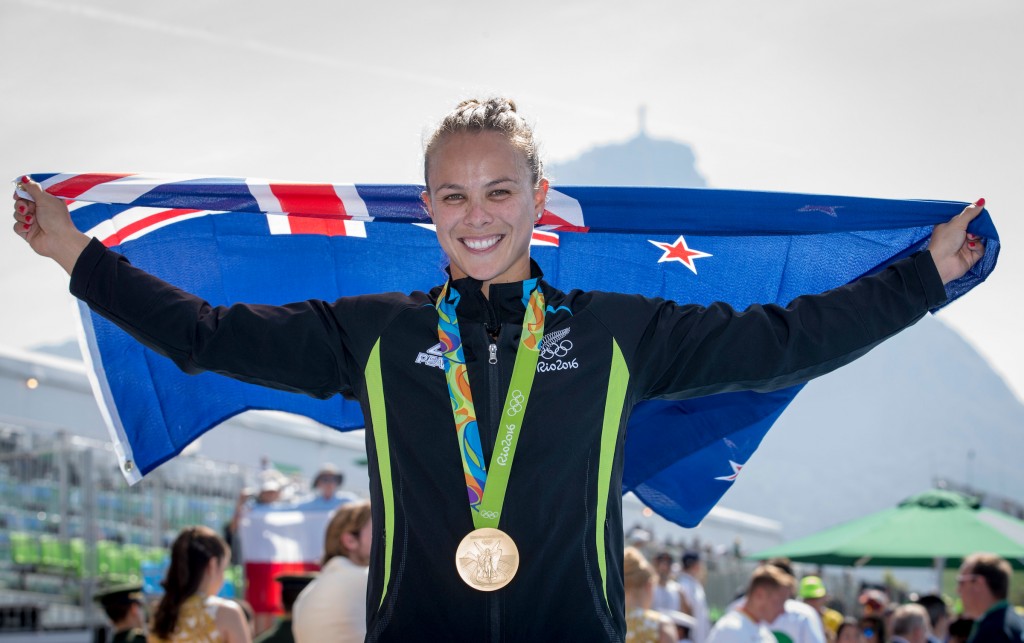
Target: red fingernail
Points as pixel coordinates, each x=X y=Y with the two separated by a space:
x=21 y=209
x=25 y=226
x=971 y=244
x=980 y=202
x=28 y=218
x=25 y=179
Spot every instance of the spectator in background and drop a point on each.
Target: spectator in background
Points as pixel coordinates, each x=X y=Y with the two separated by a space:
x=849 y=632
x=124 y=607
x=691 y=584
x=910 y=624
x=874 y=602
x=960 y=630
x=667 y=593
x=272 y=484
x=333 y=606
x=190 y=609
x=684 y=624
x=291 y=586
x=798 y=621
x=643 y=625
x=765 y=600
x=938 y=616
x=872 y=626
x=814 y=593
x=983 y=585
x=326 y=494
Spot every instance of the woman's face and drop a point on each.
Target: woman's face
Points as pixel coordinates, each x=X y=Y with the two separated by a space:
x=482 y=200
x=359 y=552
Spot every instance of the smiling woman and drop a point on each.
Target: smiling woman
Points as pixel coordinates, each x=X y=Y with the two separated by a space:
x=485 y=190
x=474 y=538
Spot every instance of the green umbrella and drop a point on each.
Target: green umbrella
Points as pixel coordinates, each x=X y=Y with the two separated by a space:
x=933 y=529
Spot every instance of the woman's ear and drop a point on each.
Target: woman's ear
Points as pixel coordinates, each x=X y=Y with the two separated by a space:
x=425 y=197
x=350 y=541
x=540 y=198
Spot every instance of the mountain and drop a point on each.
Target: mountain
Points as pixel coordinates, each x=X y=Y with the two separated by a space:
x=922 y=406
x=639 y=161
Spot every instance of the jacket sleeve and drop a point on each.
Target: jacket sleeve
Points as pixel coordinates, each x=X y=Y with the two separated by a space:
x=301 y=347
x=689 y=351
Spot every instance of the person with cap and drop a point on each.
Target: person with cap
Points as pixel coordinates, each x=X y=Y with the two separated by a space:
x=691 y=587
x=984 y=585
x=124 y=606
x=814 y=593
x=326 y=494
x=291 y=586
x=874 y=601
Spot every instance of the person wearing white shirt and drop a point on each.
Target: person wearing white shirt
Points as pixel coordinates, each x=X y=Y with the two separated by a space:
x=667 y=595
x=766 y=597
x=333 y=606
x=690 y=584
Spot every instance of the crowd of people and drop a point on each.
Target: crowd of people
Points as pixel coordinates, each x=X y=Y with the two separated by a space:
x=665 y=602
x=329 y=605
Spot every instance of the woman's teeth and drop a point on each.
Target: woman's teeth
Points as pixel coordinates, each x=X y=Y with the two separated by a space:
x=482 y=244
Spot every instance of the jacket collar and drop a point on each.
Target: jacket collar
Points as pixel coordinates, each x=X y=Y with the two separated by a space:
x=506 y=302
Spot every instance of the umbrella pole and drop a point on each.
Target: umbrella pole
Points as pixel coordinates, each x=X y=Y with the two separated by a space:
x=940 y=565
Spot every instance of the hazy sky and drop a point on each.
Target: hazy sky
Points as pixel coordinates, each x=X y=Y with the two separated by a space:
x=910 y=99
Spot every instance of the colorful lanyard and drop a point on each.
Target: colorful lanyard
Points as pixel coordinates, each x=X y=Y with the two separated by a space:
x=486 y=507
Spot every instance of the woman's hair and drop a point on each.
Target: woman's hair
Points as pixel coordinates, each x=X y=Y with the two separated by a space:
x=191 y=552
x=847 y=623
x=491 y=115
x=636 y=571
x=876 y=624
x=350 y=518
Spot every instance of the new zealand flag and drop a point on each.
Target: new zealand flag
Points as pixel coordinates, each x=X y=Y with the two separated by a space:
x=256 y=241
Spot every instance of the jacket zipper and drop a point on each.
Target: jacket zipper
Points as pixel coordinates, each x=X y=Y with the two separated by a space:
x=494 y=389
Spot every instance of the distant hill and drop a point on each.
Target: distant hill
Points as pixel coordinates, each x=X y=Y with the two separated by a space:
x=924 y=405
x=639 y=161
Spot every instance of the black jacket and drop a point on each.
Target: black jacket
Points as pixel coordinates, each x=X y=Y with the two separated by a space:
x=604 y=352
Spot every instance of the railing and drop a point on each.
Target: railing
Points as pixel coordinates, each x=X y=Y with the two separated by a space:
x=70 y=525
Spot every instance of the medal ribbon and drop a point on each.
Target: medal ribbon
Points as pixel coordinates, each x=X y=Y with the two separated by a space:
x=486 y=507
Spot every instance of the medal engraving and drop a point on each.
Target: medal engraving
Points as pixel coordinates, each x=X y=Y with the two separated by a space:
x=487 y=559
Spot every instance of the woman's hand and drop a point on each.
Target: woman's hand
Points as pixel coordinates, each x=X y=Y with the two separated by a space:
x=46 y=224
x=953 y=250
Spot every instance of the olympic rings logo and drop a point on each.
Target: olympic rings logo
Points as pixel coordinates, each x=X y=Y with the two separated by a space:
x=561 y=349
x=490 y=515
x=515 y=403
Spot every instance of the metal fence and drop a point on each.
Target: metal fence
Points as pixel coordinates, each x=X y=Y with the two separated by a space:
x=70 y=525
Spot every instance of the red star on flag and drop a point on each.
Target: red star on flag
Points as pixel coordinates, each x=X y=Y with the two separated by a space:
x=735 y=472
x=679 y=251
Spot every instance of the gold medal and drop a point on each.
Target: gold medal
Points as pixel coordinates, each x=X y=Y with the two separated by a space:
x=487 y=559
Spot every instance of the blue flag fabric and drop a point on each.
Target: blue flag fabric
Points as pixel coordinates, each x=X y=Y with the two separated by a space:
x=246 y=240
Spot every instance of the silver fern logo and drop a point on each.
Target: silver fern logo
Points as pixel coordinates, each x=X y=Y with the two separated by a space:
x=555 y=344
x=554 y=348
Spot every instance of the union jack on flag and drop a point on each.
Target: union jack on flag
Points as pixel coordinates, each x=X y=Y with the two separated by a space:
x=247 y=240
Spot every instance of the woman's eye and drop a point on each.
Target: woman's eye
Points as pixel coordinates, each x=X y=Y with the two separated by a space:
x=452 y=197
x=499 y=193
